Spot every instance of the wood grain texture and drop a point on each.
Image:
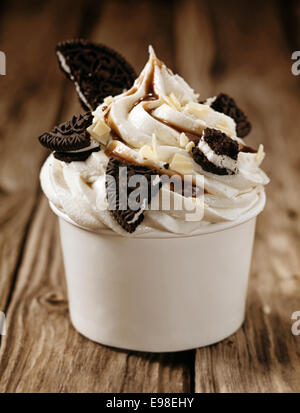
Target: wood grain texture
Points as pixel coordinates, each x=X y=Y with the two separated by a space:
x=216 y=47
x=29 y=105
x=252 y=62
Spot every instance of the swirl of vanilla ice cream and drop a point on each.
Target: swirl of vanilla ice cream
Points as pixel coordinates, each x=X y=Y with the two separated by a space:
x=158 y=120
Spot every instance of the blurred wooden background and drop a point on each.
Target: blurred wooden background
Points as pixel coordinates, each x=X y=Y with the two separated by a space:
x=239 y=47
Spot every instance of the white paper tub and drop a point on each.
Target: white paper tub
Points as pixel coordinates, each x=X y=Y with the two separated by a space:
x=161 y=293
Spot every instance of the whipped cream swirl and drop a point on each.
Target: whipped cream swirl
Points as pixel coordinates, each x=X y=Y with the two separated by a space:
x=159 y=120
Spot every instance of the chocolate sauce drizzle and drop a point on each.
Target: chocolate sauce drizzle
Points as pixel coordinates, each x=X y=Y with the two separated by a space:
x=195 y=191
x=151 y=95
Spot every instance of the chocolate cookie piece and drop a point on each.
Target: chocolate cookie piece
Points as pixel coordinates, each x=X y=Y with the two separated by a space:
x=96 y=70
x=75 y=156
x=208 y=166
x=221 y=145
x=225 y=104
x=69 y=136
x=117 y=193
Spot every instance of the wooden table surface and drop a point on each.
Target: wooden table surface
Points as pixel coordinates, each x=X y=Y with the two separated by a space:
x=242 y=48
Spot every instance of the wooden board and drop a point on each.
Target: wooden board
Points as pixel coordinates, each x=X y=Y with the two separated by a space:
x=240 y=49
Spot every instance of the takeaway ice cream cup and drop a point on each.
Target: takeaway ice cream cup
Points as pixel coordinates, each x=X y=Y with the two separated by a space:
x=144 y=278
x=160 y=292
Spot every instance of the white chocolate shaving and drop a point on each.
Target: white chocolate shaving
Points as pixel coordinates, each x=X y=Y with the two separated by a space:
x=182 y=164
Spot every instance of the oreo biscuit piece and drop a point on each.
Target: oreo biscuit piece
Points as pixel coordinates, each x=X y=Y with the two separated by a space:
x=96 y=70
x=117 y=193
x=69 y=136
x=79 y=156
x=225 y=104
x=215 y=152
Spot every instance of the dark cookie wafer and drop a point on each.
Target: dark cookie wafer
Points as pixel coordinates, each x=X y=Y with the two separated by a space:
x=69 y=136
x=225 y=104
x=220 y=144
x=128 y=219
x=97 y=70
x=208 y=166
x=75 y=156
